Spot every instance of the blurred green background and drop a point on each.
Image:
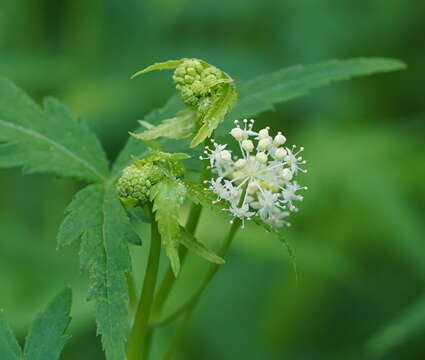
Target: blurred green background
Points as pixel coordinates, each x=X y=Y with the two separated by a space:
x=359 y=235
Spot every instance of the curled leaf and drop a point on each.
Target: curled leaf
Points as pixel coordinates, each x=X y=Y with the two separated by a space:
x=170 y=64
x=178 y=127
x=215 y=113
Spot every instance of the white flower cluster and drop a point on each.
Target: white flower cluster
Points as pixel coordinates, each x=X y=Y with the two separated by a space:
x=260 y=183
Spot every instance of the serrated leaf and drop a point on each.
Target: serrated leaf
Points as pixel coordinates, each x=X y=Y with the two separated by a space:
x=170 y=64
x=138 y=148
x=98 y=219
x=47 y=140
x=46 y=338
x=259 y=94
x=188 y=240
x=9 y=347
x=167 y=197
x=178 y=127
x=215 y=114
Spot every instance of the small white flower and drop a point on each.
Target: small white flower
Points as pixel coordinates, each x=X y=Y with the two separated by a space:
x=289 y=194
x=286 y=174
x=247 y=145
x=279 y=139
x=293 y=160
x=259 y=182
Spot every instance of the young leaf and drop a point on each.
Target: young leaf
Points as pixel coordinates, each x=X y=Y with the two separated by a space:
x=170 y=64
x=9 y=347
x=98 y=219
x=259 y=94
x=137 y=148
x=167 y=197
x=46 y=338
x=189 y=241
x=47 y=140
x=178 y=127
x=215 y=114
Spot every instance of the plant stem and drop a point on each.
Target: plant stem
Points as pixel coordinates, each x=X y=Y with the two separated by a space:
x=169 y=278
x=187 y=308
x=138 y=334
x=193 y=300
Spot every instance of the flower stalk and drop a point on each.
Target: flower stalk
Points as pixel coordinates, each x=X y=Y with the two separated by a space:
x=137 y=343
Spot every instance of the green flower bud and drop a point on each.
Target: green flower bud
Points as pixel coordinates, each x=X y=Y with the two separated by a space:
x=135 y=182
x=196 y=80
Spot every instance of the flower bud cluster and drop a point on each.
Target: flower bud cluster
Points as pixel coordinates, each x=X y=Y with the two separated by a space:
x=136 y=180
x=195 y=81
x=260 y=182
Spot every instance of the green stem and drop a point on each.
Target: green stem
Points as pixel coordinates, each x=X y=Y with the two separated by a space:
x=169 y=277
x=187 y=308
x=138 y=334
x=193 y=300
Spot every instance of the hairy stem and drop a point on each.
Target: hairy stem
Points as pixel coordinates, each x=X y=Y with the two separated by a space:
x=137 y=340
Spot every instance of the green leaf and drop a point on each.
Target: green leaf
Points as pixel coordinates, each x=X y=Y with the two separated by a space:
x=99 y=220
x=138 y=148
x=46 y=338
x=164 y=156
x=179 y=127
x=189 y=241
x=170 y=64
x=405 y=326
x=47 y=140
x=216 y=112
x=167 y=197
x=9 y=347
x=259 y=94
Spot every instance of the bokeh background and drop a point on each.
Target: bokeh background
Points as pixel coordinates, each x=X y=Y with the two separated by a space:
x=359 y=236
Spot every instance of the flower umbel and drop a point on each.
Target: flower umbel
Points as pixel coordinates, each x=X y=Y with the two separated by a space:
x=260 y=182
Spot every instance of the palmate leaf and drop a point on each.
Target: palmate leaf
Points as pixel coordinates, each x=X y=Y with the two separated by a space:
x=261 y=93
x=216 y=113
x=50 y=140
x=47 y=140
x=99 y=220
x=46 y=338
x=167 y=197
